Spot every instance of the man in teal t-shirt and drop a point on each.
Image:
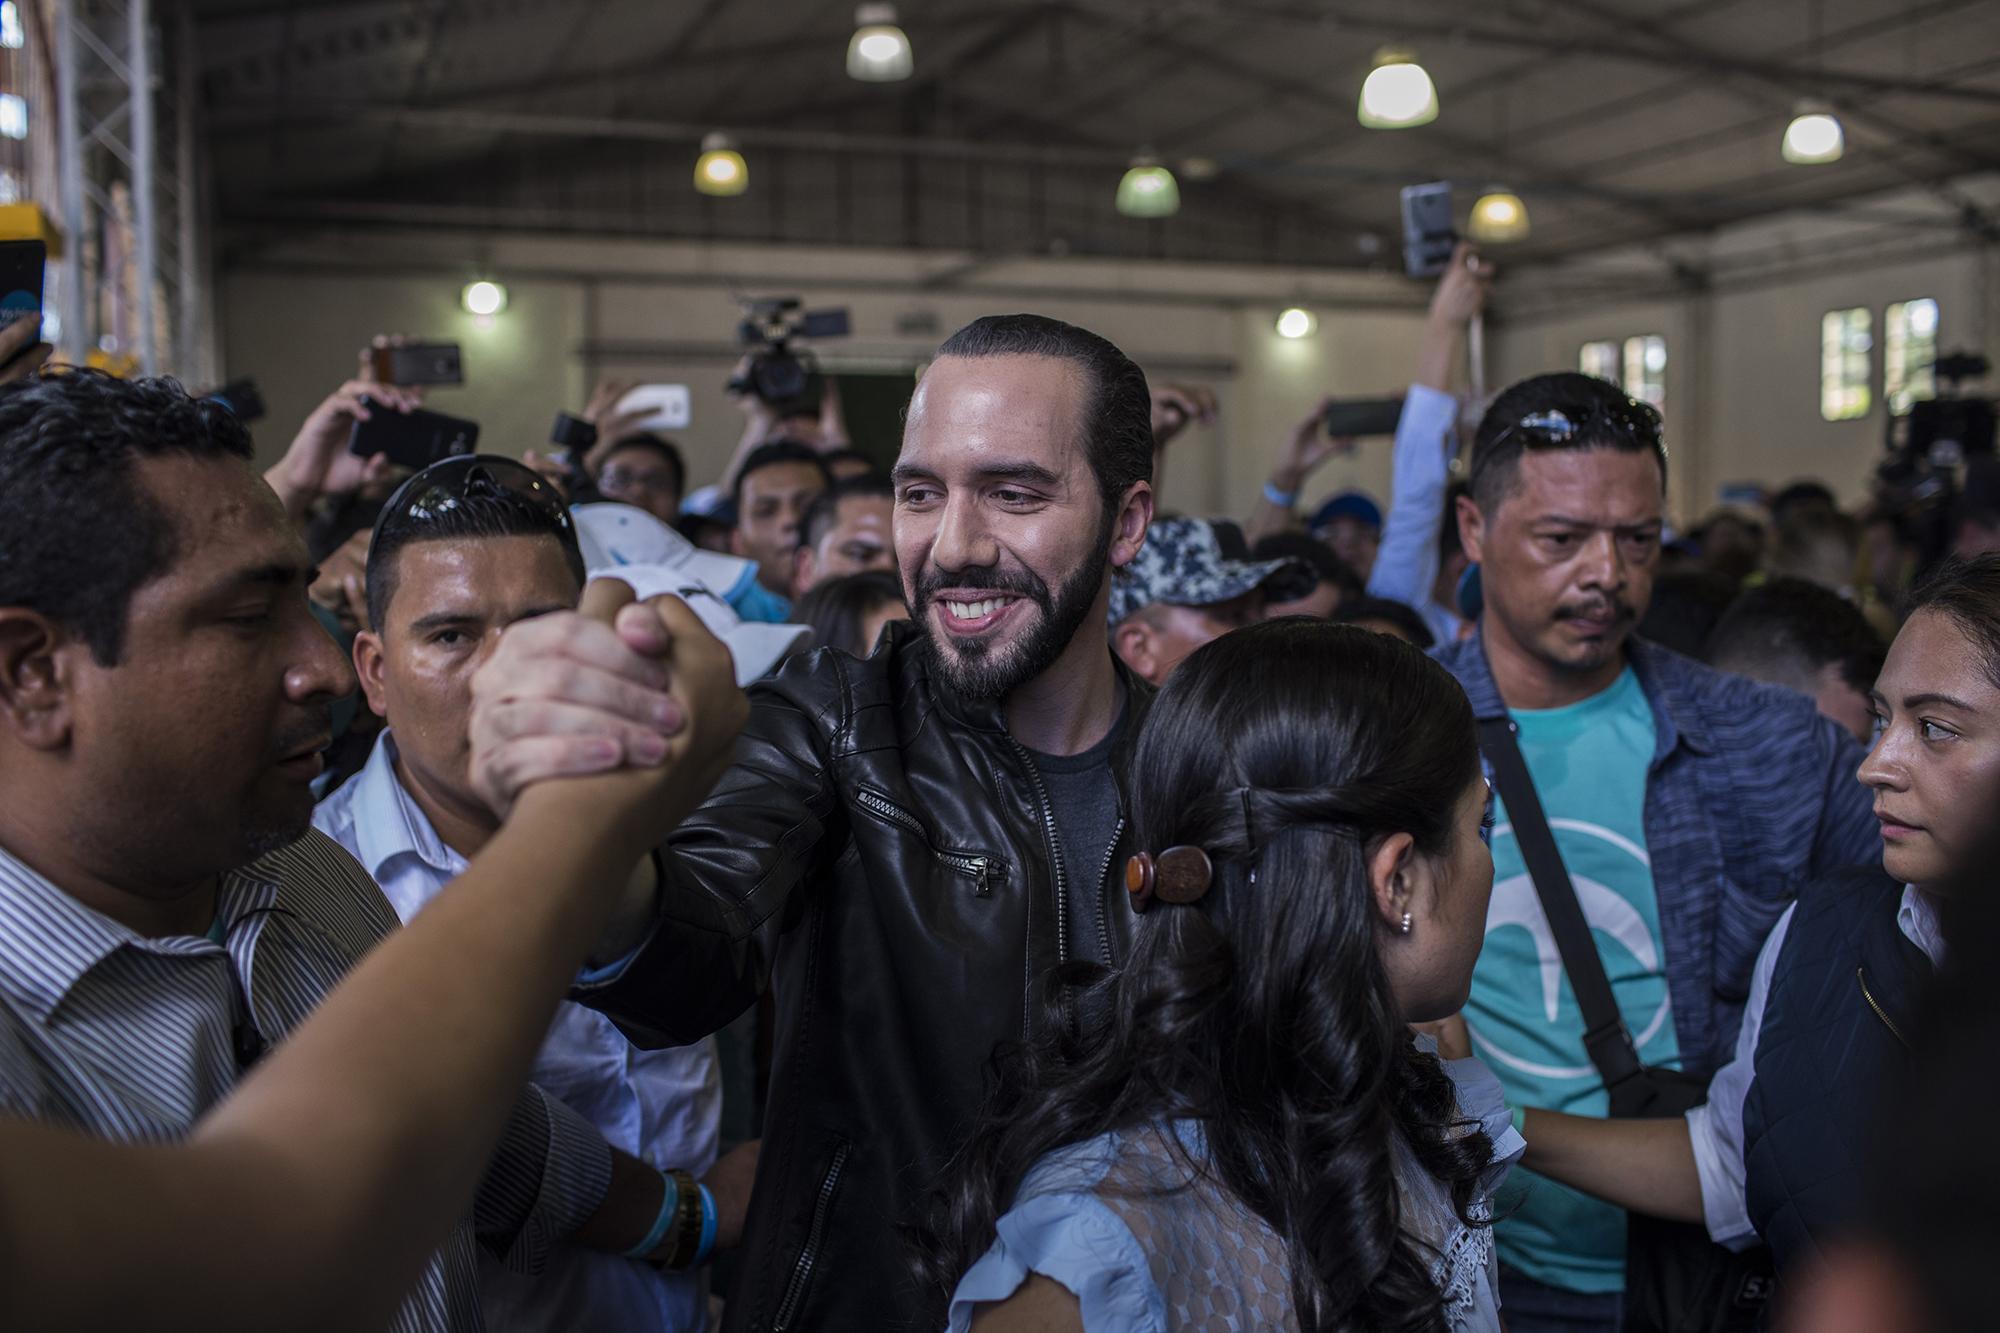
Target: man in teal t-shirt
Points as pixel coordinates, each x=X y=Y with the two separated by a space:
x=1687 y=805
x=1589 y=764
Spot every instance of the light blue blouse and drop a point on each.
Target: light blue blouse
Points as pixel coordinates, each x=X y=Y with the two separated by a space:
x=1148 y=1244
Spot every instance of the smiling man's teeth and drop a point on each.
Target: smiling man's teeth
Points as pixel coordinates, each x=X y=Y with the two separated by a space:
x=974 y=610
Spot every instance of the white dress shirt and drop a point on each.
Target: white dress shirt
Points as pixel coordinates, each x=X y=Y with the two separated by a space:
x=1716 y=1126
x=663 y=1106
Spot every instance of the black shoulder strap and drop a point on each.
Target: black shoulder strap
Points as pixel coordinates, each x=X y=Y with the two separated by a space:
x=1605 y=1037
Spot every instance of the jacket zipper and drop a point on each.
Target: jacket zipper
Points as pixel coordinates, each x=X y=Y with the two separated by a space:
x=1055 y=850
x=1110 y=855
x=795 y=1290
x=1861 y=975
x=977 y=868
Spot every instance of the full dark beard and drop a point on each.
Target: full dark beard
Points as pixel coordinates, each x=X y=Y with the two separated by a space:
x=980 y=670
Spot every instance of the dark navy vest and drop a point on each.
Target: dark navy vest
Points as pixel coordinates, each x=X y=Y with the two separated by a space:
x=1833 y=1043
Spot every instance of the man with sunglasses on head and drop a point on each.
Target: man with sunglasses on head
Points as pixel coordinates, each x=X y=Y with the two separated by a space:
x=1687 y=806
x=463 y=550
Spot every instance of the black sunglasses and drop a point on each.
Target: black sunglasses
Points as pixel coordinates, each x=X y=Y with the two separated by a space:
x=445 y=485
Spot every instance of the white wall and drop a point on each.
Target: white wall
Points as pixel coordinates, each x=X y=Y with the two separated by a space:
x=294 y=313
x=1743 y=354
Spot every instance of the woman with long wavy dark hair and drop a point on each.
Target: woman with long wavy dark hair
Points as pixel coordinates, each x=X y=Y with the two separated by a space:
x=1249 y=1136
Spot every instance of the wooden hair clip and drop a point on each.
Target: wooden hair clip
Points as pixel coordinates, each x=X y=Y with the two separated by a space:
x=1177 y=875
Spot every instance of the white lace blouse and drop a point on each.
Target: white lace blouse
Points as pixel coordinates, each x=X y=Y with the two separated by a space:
x=1146 y=1247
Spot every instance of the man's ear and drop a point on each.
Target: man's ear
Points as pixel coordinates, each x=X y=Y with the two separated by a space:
x=1471 y=527
x=37 y=659
x=1390 y=867
x=370 y=667
x=1135 y=514
x=1132 y=640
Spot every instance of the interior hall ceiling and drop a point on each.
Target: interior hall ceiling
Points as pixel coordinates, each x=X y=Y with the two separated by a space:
x=1620 y=122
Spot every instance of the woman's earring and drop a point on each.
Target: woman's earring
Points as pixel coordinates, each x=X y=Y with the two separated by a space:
x=1406 y=923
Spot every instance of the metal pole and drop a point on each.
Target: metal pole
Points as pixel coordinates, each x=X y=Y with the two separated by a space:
x=77 y=313
x=139 y=53
x=188 y=358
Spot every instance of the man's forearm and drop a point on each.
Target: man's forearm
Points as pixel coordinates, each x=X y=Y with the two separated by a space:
x=1438 y=353
x=631 y=1204
x=1645 y=1166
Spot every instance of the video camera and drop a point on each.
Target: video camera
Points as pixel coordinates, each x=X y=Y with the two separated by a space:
x=1920 y=483
x=787 y=379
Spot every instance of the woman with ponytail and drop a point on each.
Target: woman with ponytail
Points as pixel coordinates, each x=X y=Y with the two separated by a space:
x=1248 y=1136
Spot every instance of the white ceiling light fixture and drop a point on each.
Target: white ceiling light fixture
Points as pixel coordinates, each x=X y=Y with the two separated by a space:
x=484 y=297
x=720 y=170
x=1499 y=217
x=1297 y=322
x=1398 y=93
x=1148 y=190
x=879 y=51
x=1814 y=137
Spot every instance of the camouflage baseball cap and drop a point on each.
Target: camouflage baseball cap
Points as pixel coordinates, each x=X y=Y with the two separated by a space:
x=1182 y=564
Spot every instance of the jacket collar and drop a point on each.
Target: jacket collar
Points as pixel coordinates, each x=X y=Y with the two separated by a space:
x=1665 y=677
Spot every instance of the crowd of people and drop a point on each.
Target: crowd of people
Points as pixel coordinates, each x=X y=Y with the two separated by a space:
x=946 y=887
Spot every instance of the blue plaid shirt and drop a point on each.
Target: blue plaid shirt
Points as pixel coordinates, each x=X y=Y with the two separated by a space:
x=1750 y=795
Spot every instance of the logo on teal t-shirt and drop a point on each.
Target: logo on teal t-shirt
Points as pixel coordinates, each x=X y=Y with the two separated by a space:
x=1589 y=763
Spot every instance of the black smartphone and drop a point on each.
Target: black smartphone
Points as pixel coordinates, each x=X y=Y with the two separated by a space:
x=418 y=363
x=1428 y=232
x=412 y=439
x=22 y=264
x=1363 y=416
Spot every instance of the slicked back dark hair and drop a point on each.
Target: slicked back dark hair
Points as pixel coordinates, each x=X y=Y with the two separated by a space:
x=824 y=510
x=82 y=533
x=1969 y=592
x=1787 y=630
x=1118 y=420
x=1499 y=443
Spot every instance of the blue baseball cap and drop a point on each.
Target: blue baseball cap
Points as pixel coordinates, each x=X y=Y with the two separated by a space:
x=1357 y=505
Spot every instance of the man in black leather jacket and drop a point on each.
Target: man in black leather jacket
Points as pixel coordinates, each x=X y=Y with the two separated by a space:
x=907 y=845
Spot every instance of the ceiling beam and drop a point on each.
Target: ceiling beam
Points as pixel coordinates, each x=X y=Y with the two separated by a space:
x=1395 y=25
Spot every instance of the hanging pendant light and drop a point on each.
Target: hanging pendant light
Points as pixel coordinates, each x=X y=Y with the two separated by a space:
x=721 y=170
x=1814 y=136
x=1398 y=93
x=1297 y=322
x=1148 y=190
x=879 y=51
x=483 y=297
x=1499 y=217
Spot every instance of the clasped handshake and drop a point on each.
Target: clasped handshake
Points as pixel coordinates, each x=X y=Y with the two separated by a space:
x=635 y=702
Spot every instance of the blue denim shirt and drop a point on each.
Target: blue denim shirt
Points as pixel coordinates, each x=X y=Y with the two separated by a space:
x=1750 y=795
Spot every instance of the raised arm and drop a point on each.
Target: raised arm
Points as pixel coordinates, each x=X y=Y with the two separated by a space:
x=312 y=1196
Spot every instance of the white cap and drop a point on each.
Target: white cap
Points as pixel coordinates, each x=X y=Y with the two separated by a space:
x=616 y=535
x=620 y=541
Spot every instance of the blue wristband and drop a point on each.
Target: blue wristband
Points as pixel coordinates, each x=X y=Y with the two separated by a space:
x=669 y=1203
x=709 y=1223
x=1282 y=499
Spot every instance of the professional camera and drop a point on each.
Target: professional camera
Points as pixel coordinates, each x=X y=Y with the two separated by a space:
x=1920 y=484
x=786 y=378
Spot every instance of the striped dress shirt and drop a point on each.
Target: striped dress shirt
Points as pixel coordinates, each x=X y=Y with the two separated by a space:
x=132 y=1039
